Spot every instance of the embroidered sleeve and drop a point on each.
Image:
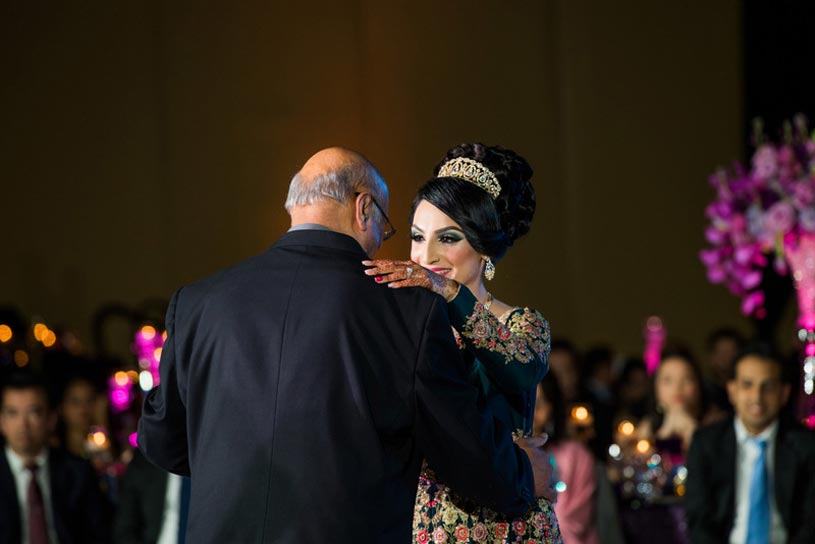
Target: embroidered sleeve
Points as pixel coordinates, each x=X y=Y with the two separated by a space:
x=515 y=352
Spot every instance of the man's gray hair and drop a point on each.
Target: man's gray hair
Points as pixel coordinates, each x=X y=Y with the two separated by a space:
x=339 y=185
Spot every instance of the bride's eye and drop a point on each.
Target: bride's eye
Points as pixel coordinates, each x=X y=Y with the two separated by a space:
x=416 y=237
x=449 y=238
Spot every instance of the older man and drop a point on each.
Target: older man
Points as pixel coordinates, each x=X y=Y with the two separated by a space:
x=302 y=397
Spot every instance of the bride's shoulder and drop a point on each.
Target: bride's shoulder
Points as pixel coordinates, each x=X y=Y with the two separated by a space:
x=509 y=314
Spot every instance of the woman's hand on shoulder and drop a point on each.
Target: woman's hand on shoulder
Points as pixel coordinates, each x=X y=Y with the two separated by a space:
x=398 y=274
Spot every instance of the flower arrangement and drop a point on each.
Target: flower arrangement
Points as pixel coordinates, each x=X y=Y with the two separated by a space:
x=761 y=213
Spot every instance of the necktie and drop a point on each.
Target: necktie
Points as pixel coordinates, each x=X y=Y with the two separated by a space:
x=758 y=522
x=37 y=526
x=183 y=509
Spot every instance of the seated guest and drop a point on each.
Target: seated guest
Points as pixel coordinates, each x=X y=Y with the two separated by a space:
x=751 y=478
x=153 y=505
x=632 y=390
x=46 y=495
x=723 y=345
x=679 y=405
x=574 y=467
x=593 y=431
x=585 y=496
x=564 y=361
x=76 y=415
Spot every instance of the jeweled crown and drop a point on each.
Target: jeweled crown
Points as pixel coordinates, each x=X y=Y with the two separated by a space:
x=472 y=171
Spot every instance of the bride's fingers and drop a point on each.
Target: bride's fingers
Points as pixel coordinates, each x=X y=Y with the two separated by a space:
x=409 y=282
x=387 y=262
x=378 y=271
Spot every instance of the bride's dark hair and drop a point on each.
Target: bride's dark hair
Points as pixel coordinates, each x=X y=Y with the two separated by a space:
x=491 y=226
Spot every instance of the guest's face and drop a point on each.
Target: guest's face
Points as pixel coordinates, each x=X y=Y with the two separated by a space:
x=676 y=385
x=25 y=420
x=78 y=405
x=439 y=244
x=757 y=393
x=565 y=368
x=636 y=386
x=722 y=355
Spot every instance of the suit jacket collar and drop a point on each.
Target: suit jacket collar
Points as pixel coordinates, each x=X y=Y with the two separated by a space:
x=727 y=445
x=8 y=499
x=321 y=238
x=785 y=461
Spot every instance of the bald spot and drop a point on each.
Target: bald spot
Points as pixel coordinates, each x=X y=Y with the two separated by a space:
x=331 y=160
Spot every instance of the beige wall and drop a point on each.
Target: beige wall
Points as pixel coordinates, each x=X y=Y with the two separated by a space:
x=145 y=146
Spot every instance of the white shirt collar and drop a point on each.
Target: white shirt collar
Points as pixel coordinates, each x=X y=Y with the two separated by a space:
x=743 y=435
x=17 y=464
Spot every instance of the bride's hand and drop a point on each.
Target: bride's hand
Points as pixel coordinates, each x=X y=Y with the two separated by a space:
x=399 y=274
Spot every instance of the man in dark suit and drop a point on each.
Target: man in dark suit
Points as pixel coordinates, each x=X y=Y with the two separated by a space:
x=152 y=505
x=751 y=478
x=302 y=396
x=46 y=495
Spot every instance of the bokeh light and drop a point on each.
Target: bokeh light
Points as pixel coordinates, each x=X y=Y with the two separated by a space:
x=5 y=333
x=145 y=380
x=49 y=338
x=20 y=358
x=121 y=378
x=98 y=438
x=626 y=428
x=39 y=330
x=643 y=446
x=580 y=413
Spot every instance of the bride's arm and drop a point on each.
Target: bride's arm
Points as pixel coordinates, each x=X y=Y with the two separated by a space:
x=515 y=355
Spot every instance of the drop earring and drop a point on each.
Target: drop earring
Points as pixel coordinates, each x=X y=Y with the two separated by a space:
x=489 y=269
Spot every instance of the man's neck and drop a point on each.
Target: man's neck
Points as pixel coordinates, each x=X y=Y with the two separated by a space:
x=753 y=431
x=26 y=458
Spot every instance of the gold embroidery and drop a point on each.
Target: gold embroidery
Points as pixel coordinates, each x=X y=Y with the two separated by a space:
x=524 y=336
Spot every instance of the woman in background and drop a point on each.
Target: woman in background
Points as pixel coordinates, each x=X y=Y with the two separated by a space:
x=574 y=467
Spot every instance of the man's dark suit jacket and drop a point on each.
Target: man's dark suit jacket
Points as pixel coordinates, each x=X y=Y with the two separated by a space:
x=301 y=396
x=140 y=511
x=80 y=513
x=710 y=500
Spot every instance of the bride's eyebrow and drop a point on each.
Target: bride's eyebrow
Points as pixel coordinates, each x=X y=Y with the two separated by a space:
x=447 y=229
x=414 y=227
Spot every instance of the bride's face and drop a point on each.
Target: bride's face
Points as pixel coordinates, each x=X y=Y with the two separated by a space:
x=439 y=244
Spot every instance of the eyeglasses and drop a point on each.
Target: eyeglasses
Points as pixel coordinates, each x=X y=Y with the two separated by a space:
x=390 y=230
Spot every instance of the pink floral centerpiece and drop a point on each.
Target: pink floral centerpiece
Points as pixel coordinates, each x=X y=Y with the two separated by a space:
x=767 y=212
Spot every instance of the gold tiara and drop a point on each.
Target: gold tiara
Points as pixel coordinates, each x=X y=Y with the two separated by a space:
x=472 y=171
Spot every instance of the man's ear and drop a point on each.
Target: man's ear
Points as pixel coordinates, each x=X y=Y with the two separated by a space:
x=785 y=393
x=360 y=215
x=53 y=418
x=731 y=391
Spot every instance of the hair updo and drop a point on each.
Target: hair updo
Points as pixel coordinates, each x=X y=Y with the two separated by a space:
x=490 y=225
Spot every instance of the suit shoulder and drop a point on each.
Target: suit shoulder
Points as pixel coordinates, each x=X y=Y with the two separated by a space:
x=60 y=455
x=803 y=438
x=63 y=460
x=713 y=432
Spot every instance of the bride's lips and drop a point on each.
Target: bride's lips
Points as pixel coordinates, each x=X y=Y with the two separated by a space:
x=440 y=271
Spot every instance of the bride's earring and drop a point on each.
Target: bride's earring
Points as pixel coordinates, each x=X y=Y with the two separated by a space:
x=489 y=269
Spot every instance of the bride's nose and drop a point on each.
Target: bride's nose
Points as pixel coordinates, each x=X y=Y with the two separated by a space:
x=427 y=254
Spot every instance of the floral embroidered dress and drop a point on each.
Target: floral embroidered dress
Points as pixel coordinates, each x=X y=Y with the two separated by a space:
x=509 y=356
